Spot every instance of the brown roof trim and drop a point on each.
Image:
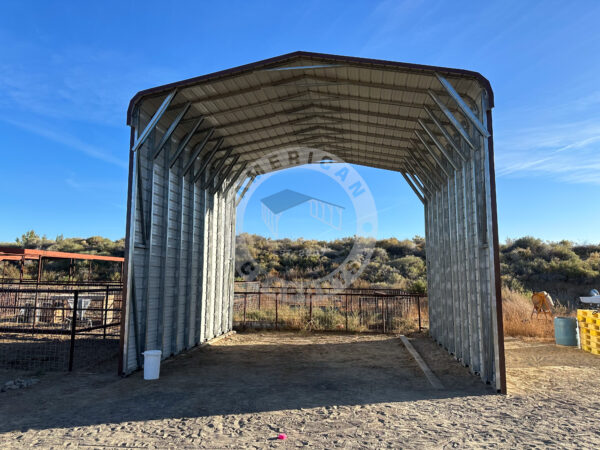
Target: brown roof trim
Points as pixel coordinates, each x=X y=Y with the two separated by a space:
x=301 y=54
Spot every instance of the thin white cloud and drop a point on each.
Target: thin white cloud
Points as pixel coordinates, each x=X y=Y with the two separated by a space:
x=88 y=185
x=568 y=152
x=78 y=83
x=69 y=141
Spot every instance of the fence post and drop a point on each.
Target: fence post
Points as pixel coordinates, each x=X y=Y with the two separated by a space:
x=245 y=303
x=310 y=309
x=73 y=329
x=360 y=317
x=419 y=309
x=346 y=312
x=259 y=298
x=383 y=311
x=105 y=313
x=276 y=312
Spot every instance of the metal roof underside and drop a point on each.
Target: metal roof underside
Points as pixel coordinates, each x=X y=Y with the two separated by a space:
x=364 y=111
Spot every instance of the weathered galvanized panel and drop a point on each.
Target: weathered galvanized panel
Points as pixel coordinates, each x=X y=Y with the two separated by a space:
x=460 y=264
x=175 y=278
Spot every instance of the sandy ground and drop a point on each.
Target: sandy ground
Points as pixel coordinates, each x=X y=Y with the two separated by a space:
x=322 y=390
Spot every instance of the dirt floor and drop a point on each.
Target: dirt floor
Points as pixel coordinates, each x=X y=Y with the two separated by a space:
x=322 y=390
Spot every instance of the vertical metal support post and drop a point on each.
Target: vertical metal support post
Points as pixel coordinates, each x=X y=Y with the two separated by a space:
x=40 y=268
x=310 y=308
x=35 y=301
x=276 y=311
x=419 y=310
x=73 y=329
x=105 y=313
x=360 y=318
x=346 y=296
x=245 y=306
x=495 y=280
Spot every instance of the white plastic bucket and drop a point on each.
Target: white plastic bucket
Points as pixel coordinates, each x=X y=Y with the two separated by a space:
x=152 y=364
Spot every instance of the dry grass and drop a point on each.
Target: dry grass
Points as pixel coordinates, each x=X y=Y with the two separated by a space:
x=516 y=310
x=329 y=319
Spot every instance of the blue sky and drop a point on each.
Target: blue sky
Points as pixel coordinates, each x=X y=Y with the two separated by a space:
x=69 y=69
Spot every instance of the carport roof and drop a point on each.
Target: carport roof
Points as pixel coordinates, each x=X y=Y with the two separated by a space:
x=366 y=111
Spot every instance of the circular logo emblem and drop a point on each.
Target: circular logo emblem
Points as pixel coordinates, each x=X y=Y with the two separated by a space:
x=327 y=207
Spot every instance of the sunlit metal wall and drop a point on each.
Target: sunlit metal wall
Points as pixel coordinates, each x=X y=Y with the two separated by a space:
x=462 y=252
x=180 y=245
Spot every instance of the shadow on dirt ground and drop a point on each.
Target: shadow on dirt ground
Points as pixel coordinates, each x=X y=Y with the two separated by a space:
x=245 y=373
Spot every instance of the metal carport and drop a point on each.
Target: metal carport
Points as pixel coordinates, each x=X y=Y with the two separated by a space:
x=193 y=143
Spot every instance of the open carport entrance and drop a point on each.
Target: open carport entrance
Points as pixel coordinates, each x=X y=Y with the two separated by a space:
x=193 y=145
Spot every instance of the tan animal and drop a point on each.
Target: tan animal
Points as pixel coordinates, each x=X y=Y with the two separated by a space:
x=542 y=303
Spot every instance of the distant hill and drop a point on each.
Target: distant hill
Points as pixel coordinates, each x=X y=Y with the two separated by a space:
x=564 y=269
x=96 y=244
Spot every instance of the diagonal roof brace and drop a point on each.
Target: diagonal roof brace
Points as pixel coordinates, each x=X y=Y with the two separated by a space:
x=170 y=130
x=453 y=120
x=426 y=164
x=438 y=144
x=239 y=199
x=226 y=172
x=208 y=160
x=235 y=177
x=414 y=188
x=238 y=186
x=212 y=174
x=198 y=150
x=153 y=122
x=463 y=106
x=420 y=177
x=426 y=192
x=444 y=132
x=417 y=164
x=184 y=141
x=432 y=153
x=413 y=174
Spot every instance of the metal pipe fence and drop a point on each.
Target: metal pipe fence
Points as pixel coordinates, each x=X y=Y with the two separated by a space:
x=58 y=327
x=74 y=284
x=356 y=310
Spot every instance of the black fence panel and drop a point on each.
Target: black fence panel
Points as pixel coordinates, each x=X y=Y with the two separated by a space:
x=356 y=310
x=58 y=327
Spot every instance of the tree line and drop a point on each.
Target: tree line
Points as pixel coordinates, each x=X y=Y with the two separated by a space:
x=59 y=270
x=564 y=269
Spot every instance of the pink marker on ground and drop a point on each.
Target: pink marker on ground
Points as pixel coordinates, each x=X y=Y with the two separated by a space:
x=282 y=436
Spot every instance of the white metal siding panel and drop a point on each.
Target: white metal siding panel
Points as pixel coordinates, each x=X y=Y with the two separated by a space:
x=205 y=268
x=219 y=266
x=211 y=218
x=199 y=255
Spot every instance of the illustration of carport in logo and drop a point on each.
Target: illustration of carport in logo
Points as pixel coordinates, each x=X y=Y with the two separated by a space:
x=273 y=206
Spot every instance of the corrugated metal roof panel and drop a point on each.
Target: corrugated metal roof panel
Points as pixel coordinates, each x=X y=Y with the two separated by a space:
x=354 y=102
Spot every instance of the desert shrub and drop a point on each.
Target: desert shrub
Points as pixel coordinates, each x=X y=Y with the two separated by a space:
x=516 y=312
x=418 y=287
